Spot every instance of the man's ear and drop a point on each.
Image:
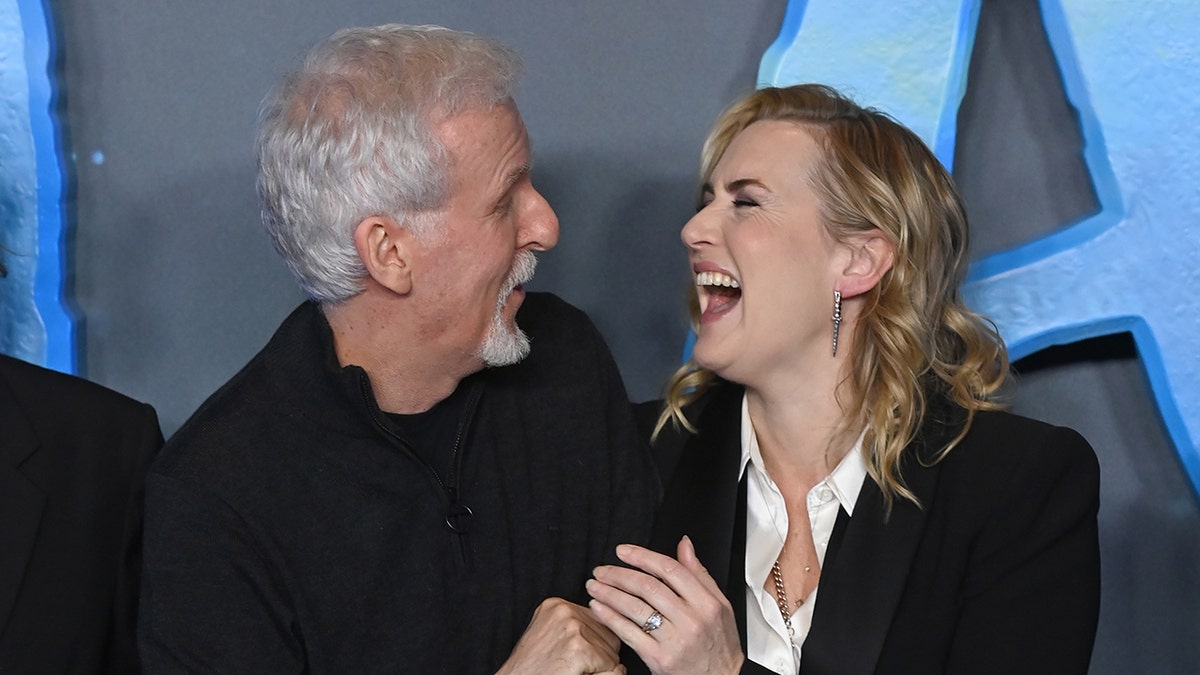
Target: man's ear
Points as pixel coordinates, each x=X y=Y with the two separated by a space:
x=386 y=249
x=871 y=255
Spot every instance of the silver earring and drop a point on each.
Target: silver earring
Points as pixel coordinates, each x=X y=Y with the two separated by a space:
x=837 y=318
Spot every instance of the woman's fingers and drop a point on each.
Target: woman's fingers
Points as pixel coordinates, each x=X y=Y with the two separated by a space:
x=682 y=590
x=680 y=579
x=620 y=602
x=686 y=551
x=632 y=607
x=698 y=631
x=625 y=628
x=646 y=586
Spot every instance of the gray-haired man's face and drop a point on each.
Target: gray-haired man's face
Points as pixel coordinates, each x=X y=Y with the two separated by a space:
x=489 y=229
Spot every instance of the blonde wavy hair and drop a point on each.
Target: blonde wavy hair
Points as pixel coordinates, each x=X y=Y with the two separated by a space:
x=915 y=337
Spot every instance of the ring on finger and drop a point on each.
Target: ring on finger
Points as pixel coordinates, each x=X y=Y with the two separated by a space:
x=653 y=622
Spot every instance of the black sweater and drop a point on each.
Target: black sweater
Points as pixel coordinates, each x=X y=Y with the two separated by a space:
x=288 y=530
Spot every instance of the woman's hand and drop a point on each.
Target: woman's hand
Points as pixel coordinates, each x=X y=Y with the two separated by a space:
x=697 y=634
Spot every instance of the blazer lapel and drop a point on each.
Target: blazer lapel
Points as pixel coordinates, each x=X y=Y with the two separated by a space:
x=21 y=502
x=701 y=495
x=867 y=564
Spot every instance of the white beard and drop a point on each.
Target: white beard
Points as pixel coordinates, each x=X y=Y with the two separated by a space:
x=505 y=345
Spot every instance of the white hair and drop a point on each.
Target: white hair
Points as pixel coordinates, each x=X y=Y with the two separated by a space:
x=351 y=135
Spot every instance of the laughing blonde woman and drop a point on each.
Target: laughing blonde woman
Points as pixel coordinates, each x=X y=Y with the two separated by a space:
x=843 y=494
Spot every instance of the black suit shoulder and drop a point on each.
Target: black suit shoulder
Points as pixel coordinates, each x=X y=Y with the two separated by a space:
x=89 y=429
x=60 y=405
x=1006 y=457
x=1023 y=438
x=1012 y=522
x=72 y=462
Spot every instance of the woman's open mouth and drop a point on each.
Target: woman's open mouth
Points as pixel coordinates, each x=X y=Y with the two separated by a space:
x=719 y=293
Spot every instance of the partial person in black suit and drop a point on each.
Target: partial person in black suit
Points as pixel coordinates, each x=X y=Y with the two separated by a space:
x=73 y=456
x=843 y=493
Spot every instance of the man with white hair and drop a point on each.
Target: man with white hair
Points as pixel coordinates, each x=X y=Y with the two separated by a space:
x=402 y=480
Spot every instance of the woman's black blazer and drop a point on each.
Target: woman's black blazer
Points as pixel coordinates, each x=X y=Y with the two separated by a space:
x=72 y=460
x=998 y=571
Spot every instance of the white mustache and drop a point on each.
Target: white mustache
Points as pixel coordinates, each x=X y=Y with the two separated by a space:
x=524 y=265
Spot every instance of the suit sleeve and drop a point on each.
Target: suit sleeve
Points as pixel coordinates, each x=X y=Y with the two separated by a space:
x=1031 y=597
x=212 y=602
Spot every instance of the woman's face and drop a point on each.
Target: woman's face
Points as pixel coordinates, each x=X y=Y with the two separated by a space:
x=763 y=263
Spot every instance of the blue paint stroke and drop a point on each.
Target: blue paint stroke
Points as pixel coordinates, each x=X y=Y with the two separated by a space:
x=1130 y=268
x=882 y=53
x=21 y=331
x=52 y=269
x=36 y=324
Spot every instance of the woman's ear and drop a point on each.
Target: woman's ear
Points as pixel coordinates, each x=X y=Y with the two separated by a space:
x=385 y=248
x=871 y=255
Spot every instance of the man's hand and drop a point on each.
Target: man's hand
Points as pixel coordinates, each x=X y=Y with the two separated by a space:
x=564 y=638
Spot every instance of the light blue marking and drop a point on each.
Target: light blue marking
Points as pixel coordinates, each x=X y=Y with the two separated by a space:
x=1131 y=74
x=881 y=53
x=1135 y=266
x=21 y=331
x=35 y=324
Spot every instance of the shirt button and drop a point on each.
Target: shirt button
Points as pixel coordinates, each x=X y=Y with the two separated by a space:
x=825 y=494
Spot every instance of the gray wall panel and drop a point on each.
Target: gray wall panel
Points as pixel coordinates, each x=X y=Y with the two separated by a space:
x=176 y=280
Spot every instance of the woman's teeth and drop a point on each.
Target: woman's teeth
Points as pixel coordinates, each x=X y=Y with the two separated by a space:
x=716 y=279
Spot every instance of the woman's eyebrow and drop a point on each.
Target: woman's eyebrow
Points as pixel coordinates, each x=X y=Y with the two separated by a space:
x=735 y=185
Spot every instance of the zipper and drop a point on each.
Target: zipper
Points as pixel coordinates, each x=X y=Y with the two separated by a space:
x=464 y=424
x=458 y=515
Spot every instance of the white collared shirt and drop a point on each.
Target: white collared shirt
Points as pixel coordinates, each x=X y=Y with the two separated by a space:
x=767 y=641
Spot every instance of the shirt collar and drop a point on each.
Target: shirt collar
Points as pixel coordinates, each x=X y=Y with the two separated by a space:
x=845 y=480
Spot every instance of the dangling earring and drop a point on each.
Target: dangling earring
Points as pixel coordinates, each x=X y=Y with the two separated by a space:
x=837 y=318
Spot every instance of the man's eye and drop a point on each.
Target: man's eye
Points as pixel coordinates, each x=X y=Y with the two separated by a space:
x=744 y=202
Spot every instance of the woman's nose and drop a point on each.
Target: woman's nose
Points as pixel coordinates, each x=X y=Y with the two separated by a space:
x=698 y=230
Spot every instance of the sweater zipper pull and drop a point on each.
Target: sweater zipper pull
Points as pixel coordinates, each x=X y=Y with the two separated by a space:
x=458 y=519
